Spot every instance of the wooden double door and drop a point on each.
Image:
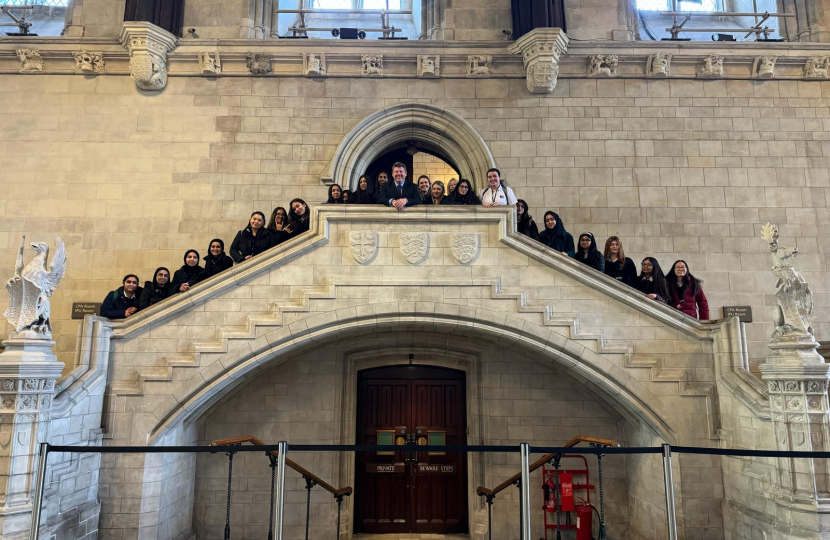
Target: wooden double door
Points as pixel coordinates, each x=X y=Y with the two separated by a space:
x=409 y=490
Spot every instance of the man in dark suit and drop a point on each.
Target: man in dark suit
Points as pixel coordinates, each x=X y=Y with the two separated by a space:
x=399 y=193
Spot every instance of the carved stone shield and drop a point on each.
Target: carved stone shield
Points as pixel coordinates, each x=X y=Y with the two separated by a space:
x=465 y=246
x=364 y=245
x=414 y=246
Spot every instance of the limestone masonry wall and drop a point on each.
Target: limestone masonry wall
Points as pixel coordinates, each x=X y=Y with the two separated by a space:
x=679 y=169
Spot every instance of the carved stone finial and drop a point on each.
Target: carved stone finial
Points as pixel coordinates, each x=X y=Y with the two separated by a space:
x=659 y=65
x=148 y=46
x=603 y=65
x=764 y=67
x=817 y=67
x=210 y=65
x=429 y=65
x=478 y=65
x=31 y=286
x=258 y=64
x=712 y=66
x=314 y=63
x=89 y=62
x=372 y=65
x=540 y=49
x=30 y=60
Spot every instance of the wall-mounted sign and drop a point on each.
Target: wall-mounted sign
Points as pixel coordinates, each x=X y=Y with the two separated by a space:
x=744 y=313
x=424 y=468
x=385 y=468
x=79 y=309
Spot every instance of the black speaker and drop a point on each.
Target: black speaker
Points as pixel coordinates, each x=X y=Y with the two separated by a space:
x=348 y=33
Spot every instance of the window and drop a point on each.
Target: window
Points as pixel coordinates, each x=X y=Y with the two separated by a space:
x=321 y=24
x=46 y=16
x=653 y=25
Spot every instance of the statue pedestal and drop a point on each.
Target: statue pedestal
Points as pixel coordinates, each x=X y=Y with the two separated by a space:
x=28 y=371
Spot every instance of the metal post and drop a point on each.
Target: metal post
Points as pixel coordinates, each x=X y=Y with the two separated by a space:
x=279 y=492
x=39 y=487
x=671 y=515
x=524 y=492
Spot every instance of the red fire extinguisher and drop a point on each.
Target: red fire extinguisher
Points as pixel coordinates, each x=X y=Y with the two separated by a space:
x=550 y=494
x=584 y=521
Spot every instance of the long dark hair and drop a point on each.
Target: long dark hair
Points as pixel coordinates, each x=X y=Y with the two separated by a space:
x=293 y=218
x=272 y=223
x=331 y=199
x=525 y=218
x=661 y=286
x=687 y=279
x=469 y=198
x=593 y=253
x=367 y=196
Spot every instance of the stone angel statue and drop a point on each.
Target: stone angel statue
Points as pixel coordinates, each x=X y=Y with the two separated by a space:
x=794 y=313
x=31 y=287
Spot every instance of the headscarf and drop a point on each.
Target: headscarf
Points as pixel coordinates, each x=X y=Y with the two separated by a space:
x=559 y=228
x=192 y=272
x=209 y=257
x=156 y=284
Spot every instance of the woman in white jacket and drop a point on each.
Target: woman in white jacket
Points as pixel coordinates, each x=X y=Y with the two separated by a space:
x=497 y=194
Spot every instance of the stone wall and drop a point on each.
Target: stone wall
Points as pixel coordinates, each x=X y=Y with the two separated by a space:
x=679 y=169
x=432 y=166
x=511 y=399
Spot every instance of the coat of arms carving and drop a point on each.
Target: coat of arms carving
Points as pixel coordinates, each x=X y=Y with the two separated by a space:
x=414 y=246
x=465 y=247
x=363 y=245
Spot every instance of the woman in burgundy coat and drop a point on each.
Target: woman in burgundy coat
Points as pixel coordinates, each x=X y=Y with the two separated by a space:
x=686 y=292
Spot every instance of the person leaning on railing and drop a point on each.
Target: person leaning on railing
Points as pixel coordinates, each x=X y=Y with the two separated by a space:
x=687 y=292
x=123 y=301
x=156 y=290
x=399 y=193
x=253 y=239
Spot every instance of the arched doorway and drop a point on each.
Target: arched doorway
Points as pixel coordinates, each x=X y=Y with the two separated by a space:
x=432 y=128
x=409 y=491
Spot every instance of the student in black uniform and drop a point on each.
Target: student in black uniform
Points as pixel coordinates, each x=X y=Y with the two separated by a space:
x=123 y=301
x=189 y=274
x=652 y=282
x=253 y=239
x=617 y=265
x=216 y=260
x=156 y=290
x=587 y=252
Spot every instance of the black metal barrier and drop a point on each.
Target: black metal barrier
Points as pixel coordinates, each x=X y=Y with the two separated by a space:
x=277 y=465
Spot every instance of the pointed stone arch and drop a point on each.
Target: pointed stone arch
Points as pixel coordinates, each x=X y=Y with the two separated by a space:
x=435 y=126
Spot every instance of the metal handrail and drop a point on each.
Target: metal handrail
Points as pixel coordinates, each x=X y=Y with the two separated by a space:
x=341 y=492
x=604 y=443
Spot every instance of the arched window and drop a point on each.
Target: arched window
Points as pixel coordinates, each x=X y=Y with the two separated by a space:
x=46 y=17
x=320 y=17
x=707 y=19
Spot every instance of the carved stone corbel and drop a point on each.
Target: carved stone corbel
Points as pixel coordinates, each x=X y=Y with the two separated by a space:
x=540 y=49
x=148 y=46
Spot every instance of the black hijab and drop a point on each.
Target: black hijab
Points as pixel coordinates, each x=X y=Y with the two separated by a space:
x=166 y=286
x=209 y=258
x=192 y=272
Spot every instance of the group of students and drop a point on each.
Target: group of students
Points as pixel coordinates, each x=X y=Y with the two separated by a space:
x=389 y=191
x=254 y=239
x=679 y=288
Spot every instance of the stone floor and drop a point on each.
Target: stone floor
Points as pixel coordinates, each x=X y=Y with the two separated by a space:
x=411 y=537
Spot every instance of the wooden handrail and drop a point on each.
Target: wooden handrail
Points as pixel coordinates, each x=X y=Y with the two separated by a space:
x=342 y=492
x=607 y=443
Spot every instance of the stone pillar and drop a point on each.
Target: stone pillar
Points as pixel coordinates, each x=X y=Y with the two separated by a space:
x=812 y=21
x=540 y=49
x=797 y=378
x=28 y=371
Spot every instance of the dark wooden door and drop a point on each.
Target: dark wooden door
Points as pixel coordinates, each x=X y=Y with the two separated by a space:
x=410 y=490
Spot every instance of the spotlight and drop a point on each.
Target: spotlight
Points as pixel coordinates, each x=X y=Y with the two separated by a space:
x=723 y=37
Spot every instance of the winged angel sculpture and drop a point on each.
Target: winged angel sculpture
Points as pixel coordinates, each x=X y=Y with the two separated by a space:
x=31 y=287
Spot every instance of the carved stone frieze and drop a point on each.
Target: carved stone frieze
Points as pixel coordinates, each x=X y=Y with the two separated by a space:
x=314 y=63
x=712 y=67
x=429 y=65
x=764 y=67
x=817 y=67
x=659 y=65
x=603 y=65
x=258 y=64
x=372 y=65
x=89 y=62
x=478 y=65
x=540 y=50
x=210 y=64
x=363 y=245
x=148 y=46
x=30 y=60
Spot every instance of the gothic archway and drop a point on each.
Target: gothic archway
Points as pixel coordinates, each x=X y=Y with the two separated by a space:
x=433 y=126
